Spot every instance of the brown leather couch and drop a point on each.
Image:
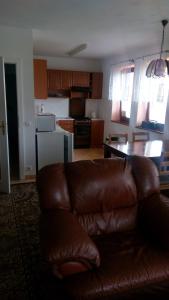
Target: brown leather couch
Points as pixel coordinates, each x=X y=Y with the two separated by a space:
x=105 y=228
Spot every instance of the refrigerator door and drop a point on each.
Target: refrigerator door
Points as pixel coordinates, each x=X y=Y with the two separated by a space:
x=68 y=147
x=53 y=147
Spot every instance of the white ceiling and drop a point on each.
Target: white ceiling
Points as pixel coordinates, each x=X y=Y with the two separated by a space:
x=109 y=27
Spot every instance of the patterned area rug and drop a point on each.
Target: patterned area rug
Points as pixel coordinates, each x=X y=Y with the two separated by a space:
x=23 y=274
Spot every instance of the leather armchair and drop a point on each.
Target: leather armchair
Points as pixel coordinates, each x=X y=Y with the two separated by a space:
x=105 y=228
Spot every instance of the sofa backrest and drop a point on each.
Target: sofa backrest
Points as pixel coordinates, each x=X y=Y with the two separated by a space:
x=102 y=193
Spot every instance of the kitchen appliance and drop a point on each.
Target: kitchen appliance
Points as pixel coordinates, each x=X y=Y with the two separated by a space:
x=53 y=144
x=52 y=147
x=82 y=132
x=82 y=124
x=45 y=122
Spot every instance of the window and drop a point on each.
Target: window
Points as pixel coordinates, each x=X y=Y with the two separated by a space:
x=153 y=96
x=127 y=75
x=120 y=92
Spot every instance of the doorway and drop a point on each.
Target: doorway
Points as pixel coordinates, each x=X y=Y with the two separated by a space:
x=12 y=118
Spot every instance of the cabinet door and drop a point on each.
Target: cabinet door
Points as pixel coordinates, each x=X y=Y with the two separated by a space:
x=81 y=78
x=54 y=80
x=97 y=131
x=40 y=78
x=66 y=79
x=97 y=82
x=67 y=125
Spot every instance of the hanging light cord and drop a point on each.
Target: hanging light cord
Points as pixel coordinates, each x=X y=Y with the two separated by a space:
x=164 y=23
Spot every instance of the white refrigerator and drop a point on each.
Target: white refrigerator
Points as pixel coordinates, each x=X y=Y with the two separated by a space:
x=53 y=147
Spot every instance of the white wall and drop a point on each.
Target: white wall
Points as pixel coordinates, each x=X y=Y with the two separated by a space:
x=105 y=106
x=73 y=64
x=57 y=106
x=16 y=46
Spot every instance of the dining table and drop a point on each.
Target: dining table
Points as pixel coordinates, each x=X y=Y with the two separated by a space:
x=152 y=149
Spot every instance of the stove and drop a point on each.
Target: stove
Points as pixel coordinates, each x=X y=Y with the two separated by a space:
x=82 y=130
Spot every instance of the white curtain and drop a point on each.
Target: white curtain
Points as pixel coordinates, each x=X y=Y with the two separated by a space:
x=152 y=90
x=121 y=85
x=114 y=83
x=144 y=90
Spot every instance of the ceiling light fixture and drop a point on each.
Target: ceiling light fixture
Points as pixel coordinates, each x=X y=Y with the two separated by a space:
x=159 y=67
x=77 y=49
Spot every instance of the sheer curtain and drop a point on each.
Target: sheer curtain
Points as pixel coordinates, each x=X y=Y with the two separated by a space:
x=120 y=87
x=150 y=95
x=114 y=83
x=153 y=91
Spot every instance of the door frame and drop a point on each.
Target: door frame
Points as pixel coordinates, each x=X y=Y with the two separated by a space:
x=19 y=91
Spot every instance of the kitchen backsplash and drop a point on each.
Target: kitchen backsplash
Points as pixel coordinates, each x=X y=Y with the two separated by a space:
x=60 y=107
x=92 y=106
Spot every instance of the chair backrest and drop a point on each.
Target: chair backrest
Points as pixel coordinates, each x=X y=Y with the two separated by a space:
x=140 y=136
x=164 y=171
x=118 y=137
x=103 y=193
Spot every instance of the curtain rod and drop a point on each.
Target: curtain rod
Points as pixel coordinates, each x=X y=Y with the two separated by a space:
x=133 y=59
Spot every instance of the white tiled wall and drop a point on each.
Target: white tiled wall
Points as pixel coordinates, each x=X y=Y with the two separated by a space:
x=58 y=106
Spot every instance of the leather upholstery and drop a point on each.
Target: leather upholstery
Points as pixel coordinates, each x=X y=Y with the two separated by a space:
x=109 y=238
x=75 y=246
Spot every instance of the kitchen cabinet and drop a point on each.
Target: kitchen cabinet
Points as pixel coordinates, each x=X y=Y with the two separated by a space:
x=97 y=132
x=80 y=78
x=66 y=79
x=67 y=125
x=59 y=82
x=40 y=78
x=96 y=85
x=54 y=80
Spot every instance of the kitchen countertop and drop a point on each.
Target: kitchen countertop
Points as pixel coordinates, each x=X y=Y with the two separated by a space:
x=64 y=118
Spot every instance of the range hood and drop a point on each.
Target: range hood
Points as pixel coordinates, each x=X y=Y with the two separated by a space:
x=81 y=89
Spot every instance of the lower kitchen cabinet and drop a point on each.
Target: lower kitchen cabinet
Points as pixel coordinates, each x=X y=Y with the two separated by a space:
x=97 y=132
x=67 y=125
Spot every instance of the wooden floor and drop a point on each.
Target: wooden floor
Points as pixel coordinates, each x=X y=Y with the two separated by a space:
x=78 y=154
x=88 y=153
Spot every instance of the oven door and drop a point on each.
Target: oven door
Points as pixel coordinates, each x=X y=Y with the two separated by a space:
x=82 y=135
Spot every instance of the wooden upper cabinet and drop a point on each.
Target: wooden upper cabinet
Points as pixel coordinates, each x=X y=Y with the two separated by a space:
x=54 y=80
x=81 y=78
x=66 y=78
x=96 y=85
x=59 y=79
x=59 y=82
x=40 y=78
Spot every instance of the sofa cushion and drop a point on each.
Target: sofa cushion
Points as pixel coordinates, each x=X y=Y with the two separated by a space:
x=102 y=192
x=129 y=266
x=52 y=187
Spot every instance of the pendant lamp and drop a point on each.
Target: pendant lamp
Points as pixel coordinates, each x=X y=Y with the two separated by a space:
x=159 y=67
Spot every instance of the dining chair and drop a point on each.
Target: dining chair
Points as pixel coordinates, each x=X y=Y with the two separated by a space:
x=118 y=137
x=164 y=171
x=140 y=136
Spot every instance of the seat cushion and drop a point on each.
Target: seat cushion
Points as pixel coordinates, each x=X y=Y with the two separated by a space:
x=130 y=267
x=103 y=194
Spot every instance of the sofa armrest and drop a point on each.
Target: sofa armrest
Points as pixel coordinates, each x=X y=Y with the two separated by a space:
x=66 y=245
x=154 y=218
